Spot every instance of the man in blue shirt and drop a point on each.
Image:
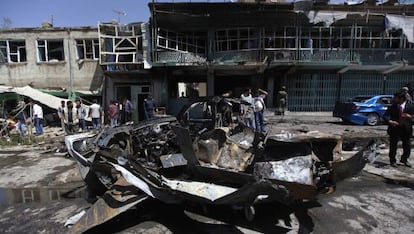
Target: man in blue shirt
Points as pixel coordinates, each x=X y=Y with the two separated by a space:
x=127 y=106
x=149 y=107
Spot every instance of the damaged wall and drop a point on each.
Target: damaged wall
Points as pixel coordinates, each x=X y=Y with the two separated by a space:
x=61 y=60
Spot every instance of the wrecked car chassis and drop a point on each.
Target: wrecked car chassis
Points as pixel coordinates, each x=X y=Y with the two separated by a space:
x=178 y=177
x=167 y=160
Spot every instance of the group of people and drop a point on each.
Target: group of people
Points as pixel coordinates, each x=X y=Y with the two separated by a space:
x=400 y=117
x=252 y=109
x=73 y=115
x=121 y=112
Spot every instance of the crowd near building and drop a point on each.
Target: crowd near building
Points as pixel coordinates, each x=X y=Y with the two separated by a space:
x=320 y=52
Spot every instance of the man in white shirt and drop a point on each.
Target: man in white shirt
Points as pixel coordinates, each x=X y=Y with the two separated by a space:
x=259 y=108
x=246 y=108
x=37 y=118
x=95 y=112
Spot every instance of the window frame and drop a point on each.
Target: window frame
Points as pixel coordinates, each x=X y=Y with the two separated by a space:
x=20 y=57
x=46 y=50
x=94 y=46
x=237 y=39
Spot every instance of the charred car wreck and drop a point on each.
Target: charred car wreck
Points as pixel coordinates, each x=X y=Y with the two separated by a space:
x=203 y=157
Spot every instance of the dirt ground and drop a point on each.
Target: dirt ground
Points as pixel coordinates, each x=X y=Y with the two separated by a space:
x=40 y=188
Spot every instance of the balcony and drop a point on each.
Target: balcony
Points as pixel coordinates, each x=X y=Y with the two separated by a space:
x=178 y=58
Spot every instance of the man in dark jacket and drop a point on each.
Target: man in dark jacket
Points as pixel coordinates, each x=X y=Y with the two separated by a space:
x=399 y=117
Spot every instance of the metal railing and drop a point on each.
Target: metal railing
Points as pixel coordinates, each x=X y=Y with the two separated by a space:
x=327 y=56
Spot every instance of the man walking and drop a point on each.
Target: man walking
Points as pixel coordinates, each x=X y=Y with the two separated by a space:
x=399 y=117
x=127 y=107
x=259 y=108
x=95 y=112
x=37 y=118
x=246 y=108
x=282 y=97
x=113 y=113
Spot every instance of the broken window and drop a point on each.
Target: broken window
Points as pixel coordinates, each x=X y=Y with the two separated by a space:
x=194 y=42
x=50 y=50
x=237 y=39
x=394 y=38
x=280 y=37
x=12 y=51
x=119 y=44
x=87 y=49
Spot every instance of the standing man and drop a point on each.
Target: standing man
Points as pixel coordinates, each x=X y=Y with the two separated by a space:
x=405 y=90
x=70 y=117
x=127 y=107
x=149 y=107
x=81 y=109
x=37 y=118
x=259 y=108
x=399 y=117
x=61 y=114
x=246 y=108
x=113 y=113
x=410 y=89
x=95 y=112
x=282 y=97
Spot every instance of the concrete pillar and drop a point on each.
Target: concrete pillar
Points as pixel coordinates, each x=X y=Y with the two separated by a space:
x=210 y=82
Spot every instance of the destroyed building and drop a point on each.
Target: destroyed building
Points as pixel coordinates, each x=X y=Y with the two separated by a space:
x=320 y=51
x=54 y=58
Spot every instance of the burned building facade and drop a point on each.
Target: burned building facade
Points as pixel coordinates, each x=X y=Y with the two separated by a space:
x=322 y=53
x=54 y=58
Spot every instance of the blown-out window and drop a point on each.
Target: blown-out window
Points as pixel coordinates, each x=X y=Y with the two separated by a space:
x=87 y=49
x=12 y=51
x=237 y=39
x=194 y=42
x=50 y=50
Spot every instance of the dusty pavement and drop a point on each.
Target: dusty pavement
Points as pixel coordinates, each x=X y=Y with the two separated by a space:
x=40 y=188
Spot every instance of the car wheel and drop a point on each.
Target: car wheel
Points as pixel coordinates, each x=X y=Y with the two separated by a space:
x=373 y=119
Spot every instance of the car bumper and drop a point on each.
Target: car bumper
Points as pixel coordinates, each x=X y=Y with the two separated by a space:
x=355 y=118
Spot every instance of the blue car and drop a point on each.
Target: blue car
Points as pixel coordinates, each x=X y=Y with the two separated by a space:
x=363 y=109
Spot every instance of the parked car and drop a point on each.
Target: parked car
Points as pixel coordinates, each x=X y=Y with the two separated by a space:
x=363 y=109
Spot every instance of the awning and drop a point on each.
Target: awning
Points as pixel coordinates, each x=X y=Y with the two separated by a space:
x=27 y=91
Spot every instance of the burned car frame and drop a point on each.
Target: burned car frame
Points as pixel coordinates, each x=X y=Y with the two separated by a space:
x=208 y=159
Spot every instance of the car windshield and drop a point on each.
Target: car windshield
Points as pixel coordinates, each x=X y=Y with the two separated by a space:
x=378 y=99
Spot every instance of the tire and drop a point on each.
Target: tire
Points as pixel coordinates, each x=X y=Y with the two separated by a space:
x=373 y=119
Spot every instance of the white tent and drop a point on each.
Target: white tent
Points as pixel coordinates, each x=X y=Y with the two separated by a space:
x=44 y=98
